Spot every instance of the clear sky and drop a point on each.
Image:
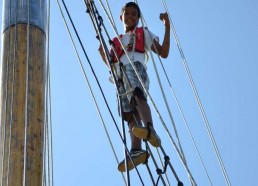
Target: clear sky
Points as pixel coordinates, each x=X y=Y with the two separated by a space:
x=220 y=43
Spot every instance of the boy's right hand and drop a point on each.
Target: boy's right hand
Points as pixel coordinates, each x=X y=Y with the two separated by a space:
x=164 y=17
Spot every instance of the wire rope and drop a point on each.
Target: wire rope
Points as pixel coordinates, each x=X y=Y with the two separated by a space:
x=185 y=121
x=92 y=10
x=114 y=50
x=123 y=73
x=199 y=101
x=12 y=91
x=26 y=94
x=150 y=99
x=168 y=182
x=163 y=94
x=173 y=142
x=155 y=163
x=6 y=103
x=110 y=16
x=50 y=100
x=48 y=144
x=92 y=94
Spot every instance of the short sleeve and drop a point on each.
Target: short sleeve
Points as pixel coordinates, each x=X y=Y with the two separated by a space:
x=149 y=38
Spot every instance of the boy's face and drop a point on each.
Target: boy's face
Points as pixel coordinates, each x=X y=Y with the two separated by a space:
x=130 y=17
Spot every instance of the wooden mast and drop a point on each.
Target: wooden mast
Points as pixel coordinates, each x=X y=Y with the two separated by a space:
x=22 y=92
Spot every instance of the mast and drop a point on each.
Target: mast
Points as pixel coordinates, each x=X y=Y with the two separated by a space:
x=22 y=92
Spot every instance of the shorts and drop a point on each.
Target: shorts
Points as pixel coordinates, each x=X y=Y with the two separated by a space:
x=127 y=88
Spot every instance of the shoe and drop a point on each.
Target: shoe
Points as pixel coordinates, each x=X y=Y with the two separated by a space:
x=147 y=134
x=138 y=157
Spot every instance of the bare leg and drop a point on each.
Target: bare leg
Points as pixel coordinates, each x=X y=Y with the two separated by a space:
x=135 y=142
x=144 y=110
x=145 y=114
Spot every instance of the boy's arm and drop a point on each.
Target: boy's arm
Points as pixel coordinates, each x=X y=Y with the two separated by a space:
x=163 y=50
x=102 y=54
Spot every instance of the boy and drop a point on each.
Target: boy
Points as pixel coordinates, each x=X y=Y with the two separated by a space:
x=137 y=43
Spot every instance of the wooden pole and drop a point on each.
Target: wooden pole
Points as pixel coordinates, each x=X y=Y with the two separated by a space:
x=22 y=95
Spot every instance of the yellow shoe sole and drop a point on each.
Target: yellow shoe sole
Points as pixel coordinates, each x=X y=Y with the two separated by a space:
x=137 y=160
x=142 y=133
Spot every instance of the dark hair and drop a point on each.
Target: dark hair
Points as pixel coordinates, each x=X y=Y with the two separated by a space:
x=131 y=4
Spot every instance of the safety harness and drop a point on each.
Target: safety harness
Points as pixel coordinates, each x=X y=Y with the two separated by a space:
x=139 y=44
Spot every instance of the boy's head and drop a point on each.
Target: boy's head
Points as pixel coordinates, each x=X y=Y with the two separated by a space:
x=131 y=4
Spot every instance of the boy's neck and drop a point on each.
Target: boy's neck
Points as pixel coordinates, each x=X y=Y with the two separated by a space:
x=130 y=29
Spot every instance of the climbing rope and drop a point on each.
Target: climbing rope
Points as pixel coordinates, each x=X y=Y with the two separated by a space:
x=26 y=96
x=91 y=68
x=48 y=165
x=198 y=100
x=124 y=49
x=6 y=103
x=179 y=150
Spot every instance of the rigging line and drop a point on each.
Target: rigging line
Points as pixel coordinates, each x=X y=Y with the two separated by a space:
x=45 y=136
x=12 y=97
x=6 y=103
x=171 y=167
x=167 y=102
x=154 y=105
x=49 y=124
x=26 y=95
x=149 y=171
x=185 y=121
x=48 y=120
x=93 y=11
x=108 y=57
x=90 y=66
x=48 y=117
x=179 y=152
x=199 y=102
x=186 y=124
x=45 y=133
x=164 y=97
x=109 y=15
x=163 y=166
x=92 y=92
x=49 y=96
x=122 y=140
x=50 y=128
x=137 y=74
x=109 y=60
x=146 y=164
x=12 y=85
x=155 y=163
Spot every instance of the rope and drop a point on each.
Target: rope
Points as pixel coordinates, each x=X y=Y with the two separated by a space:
x=109 y=15
x=92 y=92
x=166 y=103
x=129 y=58
x=168 y=109
x=10 y=119
x=165 y=99
x=148 y=95
x=48 y=167
x=12 y=97
x=155 y=163
x=26 y=96
x=163 y=167
x=92 y=9
x=6 y=101
x=199 y=101
x=185 y=121
x=162 y=121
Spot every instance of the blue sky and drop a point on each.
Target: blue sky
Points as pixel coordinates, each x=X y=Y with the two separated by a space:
x=219 y=40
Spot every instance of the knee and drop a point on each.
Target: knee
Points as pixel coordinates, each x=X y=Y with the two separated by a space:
x=128 y=116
